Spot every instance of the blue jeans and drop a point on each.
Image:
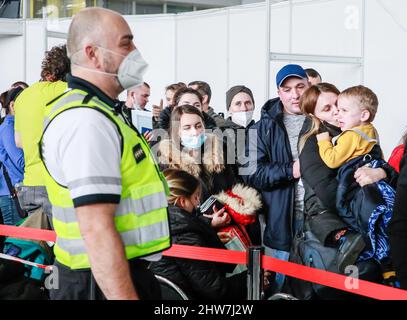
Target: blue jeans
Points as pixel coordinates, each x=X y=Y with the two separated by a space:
x=278 y=283
x=9 y=211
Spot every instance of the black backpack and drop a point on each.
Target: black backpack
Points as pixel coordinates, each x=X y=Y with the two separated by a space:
x=307 y=250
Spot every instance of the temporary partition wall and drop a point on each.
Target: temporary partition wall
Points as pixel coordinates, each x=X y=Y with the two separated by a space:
x=348 y=41
x=386 y=66
x=12 y=51
x=324 y=35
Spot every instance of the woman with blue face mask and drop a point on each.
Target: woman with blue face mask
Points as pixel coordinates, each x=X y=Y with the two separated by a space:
x=201 y=154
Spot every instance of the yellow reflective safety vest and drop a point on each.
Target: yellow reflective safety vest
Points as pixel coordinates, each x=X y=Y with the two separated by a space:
x=141 y=217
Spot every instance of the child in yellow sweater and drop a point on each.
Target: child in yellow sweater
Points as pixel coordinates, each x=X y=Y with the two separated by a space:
x=357 y=107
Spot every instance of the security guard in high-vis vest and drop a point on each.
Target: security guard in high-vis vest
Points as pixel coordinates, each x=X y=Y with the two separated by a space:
x=109 y=198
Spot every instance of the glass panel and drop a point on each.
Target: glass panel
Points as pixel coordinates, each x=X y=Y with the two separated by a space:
x=121 y=6
x=73 y=6
x=67 y=8
x=10 y=9
x=178 y=9
x=36 y=8
x=149 y=8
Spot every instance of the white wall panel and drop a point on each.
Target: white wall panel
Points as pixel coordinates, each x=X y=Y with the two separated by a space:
x=202 y=49
x=279 y=28
x=386 y=67
x=36 y=46
x=327 y=27
x=155 y=37
x=247 y=52
x=11 y=61
x=52 y=42
x=58 y=25
x=227 y=47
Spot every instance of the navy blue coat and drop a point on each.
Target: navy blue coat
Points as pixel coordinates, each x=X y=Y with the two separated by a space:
x=270 y=169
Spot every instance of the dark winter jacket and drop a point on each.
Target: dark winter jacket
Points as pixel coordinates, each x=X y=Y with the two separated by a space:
x=398 y=226
x=320 y=186
x=199 y=279
x=270 y=170
x=355 y=204
x=165 y=118
x=234 y=136
x=318 y=178
x=211 y=169
x=219 y=120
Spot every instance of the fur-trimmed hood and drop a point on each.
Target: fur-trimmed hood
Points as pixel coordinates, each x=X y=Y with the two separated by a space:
x=241 y=202
x=211 y=157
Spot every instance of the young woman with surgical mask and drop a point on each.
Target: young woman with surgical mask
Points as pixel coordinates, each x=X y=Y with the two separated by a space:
x=201 y=154
x=198 y=279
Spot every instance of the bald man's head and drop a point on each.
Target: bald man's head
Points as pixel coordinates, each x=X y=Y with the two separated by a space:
x=89 y=26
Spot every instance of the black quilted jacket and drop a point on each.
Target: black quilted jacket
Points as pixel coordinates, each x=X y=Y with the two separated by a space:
x=199 y=279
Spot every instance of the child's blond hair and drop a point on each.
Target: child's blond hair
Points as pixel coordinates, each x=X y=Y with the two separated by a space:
x=366 y=99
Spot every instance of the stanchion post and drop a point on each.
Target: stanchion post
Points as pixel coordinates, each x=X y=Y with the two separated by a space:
x=254 y=273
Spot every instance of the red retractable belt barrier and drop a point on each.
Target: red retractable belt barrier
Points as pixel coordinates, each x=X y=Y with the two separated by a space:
x=334 y=280
x=207 y=254
x=27 y=233
x=325 y=278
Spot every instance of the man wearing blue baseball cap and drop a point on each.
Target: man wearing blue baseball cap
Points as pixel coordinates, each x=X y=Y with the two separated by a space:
x=275 y=163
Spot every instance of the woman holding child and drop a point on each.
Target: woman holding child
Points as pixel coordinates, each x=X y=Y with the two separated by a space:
x=319 y=103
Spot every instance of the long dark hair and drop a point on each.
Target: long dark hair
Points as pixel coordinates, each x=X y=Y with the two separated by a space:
x=180 y=92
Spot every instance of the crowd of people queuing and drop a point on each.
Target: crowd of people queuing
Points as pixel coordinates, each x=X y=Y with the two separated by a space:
x=117 y=198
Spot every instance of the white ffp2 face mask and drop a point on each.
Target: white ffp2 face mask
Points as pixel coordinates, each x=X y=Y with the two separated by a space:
x=131 y=70
x=242 y=118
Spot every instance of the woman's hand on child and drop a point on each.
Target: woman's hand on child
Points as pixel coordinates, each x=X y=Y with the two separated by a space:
x=366 y=175
x=323 y=136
